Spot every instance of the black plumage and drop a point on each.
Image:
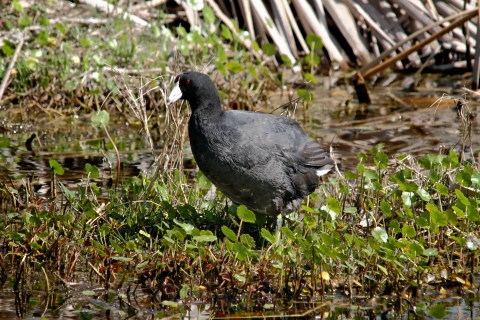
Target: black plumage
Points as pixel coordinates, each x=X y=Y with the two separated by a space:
x=263 y=161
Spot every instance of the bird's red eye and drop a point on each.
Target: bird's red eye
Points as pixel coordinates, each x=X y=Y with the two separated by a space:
x=176 y=79
x=187 y=81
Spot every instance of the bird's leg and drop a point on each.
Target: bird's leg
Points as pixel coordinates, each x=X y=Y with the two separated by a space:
x=278 y=233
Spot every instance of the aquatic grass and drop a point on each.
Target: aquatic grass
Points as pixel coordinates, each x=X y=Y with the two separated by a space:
x=391 y=227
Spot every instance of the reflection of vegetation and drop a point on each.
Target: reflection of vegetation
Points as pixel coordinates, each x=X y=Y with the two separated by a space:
x=386 y=228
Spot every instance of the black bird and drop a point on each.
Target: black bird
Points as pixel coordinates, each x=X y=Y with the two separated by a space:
x=263 y=161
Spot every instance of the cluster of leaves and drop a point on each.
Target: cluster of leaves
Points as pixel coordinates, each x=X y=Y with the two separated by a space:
x=384 y=230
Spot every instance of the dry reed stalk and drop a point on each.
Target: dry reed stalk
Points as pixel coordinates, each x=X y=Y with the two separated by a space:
x=348 y=27
x=272 y=30
x=309 y=20
x=373 y=67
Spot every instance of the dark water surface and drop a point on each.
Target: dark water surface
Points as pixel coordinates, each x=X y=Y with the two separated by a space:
x=101 y=304
x=407 y=122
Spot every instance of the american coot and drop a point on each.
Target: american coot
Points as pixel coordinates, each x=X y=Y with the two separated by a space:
x=263 y=161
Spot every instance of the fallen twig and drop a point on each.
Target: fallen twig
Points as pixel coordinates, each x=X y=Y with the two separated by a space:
x=148 y=5
x=110 y=8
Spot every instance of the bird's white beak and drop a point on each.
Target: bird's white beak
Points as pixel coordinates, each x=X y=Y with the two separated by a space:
x=175 y=95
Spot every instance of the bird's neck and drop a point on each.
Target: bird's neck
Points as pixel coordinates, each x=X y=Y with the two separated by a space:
x=206 y=108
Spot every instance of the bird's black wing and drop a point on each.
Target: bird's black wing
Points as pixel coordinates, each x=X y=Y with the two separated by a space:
x=285 y=134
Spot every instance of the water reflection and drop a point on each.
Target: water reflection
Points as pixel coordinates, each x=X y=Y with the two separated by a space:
x=410 y=122
x=77 y=305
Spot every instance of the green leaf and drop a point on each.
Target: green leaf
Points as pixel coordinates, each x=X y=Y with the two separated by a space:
x=351 y=210
x=441 y=189
x=383 y=269
x=310 y=78
x=17 y=6
x=286 y=60
x=314 y=42
x=407 y=198
x=269 y=49
x=247 y=240
x=205 y=238
x=239 y=277
x=370 y=174
x=430 y=252
x=451 y=217
x=112 y=86
x=464 y=177
x=92 y=171
x=267 y=235
x=60 y=27
x=437 y=310
x=386 y=209
x=310 y=221
x=453 y=157
x=208 y=14
x=362 y=157
x=380 y=234
x=461 y=197
x=288 y=233
x=88 y=293
x=476 y=178
x=184 y=291
x=115 y=245
x=100 y=119
x=187 y=227
x=240 y=250
x=350 y=175
x=381 y=160
x=422 y=222
x=145 y=234
x=203 y=182
x=170 y=304
x=417 y=248
x=424 y=194
x=409 y=231
x=269 y=23
x=437 y=217
x=459 y=212
x=229 y=233
x=472 y=213
x=245 y=214
x=43 y=21
x=305 y=94
x=56 y=167
x=434 y=176
x=156 y=31
x=334 y=205
x=234 y=66
x=24 y=21
x=226 y=34
x=131 y=245
x=7 y=49
x=252 y=71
